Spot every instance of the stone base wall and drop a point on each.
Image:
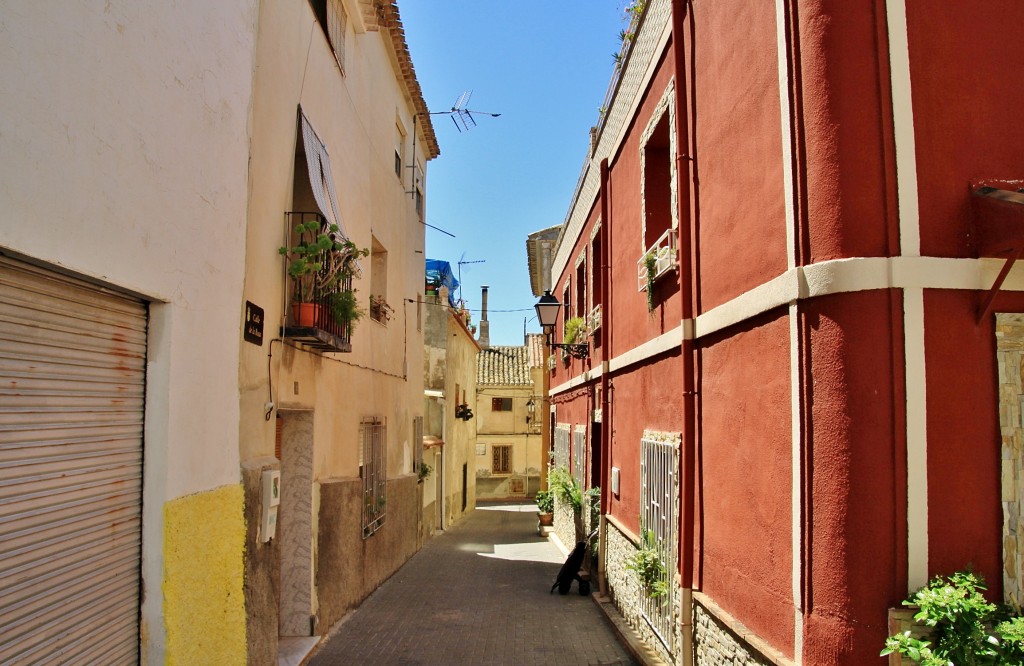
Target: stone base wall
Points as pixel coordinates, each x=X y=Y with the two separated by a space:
x=262 y=562
x=565 y=526
x=717 y=645
x=626 y=592
x=350 y=567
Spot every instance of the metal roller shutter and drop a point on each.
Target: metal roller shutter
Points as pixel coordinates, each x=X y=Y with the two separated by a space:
x=72 y=377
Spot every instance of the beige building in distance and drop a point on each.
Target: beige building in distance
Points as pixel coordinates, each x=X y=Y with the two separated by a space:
x=509 y=408
x=449 y=434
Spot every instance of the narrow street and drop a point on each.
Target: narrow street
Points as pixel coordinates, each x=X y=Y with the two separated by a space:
x=477 y=594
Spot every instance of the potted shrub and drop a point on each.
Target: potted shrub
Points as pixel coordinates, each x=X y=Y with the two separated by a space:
x=319 y=263
x=545 y=507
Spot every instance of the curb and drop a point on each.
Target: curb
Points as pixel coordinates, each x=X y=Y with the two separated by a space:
x=627 y=636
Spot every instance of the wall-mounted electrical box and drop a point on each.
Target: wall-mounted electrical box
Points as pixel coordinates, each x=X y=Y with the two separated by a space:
x=615 y=481
x=271 y=499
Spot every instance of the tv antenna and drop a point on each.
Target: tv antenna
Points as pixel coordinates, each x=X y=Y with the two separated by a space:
x=460 y=115
x=459 y=264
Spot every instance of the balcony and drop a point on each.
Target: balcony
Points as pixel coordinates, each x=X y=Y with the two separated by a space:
x=314 y=325
x=320 y=264
x=659 y=259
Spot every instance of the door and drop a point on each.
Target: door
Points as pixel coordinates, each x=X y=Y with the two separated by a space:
x=72 y=358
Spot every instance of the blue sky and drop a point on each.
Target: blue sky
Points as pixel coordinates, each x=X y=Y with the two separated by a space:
x=545 y=67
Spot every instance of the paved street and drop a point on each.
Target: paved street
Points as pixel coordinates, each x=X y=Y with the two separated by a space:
x=477 y=594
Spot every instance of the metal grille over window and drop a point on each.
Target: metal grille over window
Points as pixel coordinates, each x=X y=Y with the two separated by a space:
x=373 y=433
x=579 y=453
x=417 y=439
x=659 y=493
x=502 y=459
x=561 y=445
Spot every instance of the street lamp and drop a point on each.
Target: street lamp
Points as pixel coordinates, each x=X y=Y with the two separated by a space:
x=547 y=314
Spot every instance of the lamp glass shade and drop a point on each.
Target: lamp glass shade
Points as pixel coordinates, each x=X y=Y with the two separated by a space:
x=547 y=310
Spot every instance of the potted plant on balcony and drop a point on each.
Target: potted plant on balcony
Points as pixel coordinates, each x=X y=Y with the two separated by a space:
x=575 y=333
x=305 y=264
x=320 y=264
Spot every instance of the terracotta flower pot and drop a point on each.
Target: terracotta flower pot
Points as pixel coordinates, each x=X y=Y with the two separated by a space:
x=546 y=519
x=305 y=315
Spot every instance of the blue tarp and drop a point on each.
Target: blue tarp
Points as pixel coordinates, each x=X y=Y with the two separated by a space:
x=441 y=271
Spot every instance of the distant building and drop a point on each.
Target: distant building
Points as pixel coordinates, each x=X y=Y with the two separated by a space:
x=449 y=433
x=509 y=455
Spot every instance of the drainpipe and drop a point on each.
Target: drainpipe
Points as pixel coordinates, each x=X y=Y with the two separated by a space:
x=687 y=201
x=606 y=417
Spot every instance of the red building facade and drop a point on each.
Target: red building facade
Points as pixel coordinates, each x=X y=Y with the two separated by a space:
x=787 y=246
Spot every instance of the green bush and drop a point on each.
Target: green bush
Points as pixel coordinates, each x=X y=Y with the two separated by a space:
x=545 y=501
x=966 y=630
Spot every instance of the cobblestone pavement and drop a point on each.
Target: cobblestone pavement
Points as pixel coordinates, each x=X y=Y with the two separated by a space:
x=477 y=594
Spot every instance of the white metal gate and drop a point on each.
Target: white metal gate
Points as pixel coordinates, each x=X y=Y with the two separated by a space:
x=659 y=499
x=72 y=373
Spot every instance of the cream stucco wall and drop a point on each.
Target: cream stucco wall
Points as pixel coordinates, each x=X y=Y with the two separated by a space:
x=355 y=115
x=124 y=160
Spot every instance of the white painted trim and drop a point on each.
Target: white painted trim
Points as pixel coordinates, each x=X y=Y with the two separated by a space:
x=665 y=342
x=785 y=112
x=903 y=128
x=796 y=488
x=917 y=439
x=822 y=279
x=578 y=380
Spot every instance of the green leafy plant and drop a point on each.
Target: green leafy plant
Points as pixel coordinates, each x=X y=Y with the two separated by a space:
x=966 y=629
x=545 y=501
x=320 y=260
x=575 y=330
x=565 y=488
x=651 y=266
x=425 y=471
x=647 y=565
x=344 y=306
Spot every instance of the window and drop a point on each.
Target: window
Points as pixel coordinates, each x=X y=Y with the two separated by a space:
x=596 y=297
x=659 y=492
x=561 y=445
x=581 y=287
x=399 y=148
x=501 y=404
x=657 y=182
x=579 y=454
x=373 y=470
x=333 y=20
x=380 y=310
x=417 y=443
x=501 y=459
x=419 y=202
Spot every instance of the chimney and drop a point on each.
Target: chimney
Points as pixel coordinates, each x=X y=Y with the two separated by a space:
x=485 y=333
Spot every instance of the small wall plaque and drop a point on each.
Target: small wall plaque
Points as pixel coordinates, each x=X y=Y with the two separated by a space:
x=253 y=329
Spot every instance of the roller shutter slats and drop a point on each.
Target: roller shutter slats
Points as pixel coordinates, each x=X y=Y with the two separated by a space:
x=72 y=391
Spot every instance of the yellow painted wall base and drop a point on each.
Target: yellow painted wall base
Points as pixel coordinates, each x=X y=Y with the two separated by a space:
x=204 y=603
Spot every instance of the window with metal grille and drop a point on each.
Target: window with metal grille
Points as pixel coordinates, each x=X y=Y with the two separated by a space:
x=659 y=511
x=417 y=444
x=333 y=21
x=579 y=453
x=501 y=404
x=561 y=445
x=501 y=459
x=373 y=469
